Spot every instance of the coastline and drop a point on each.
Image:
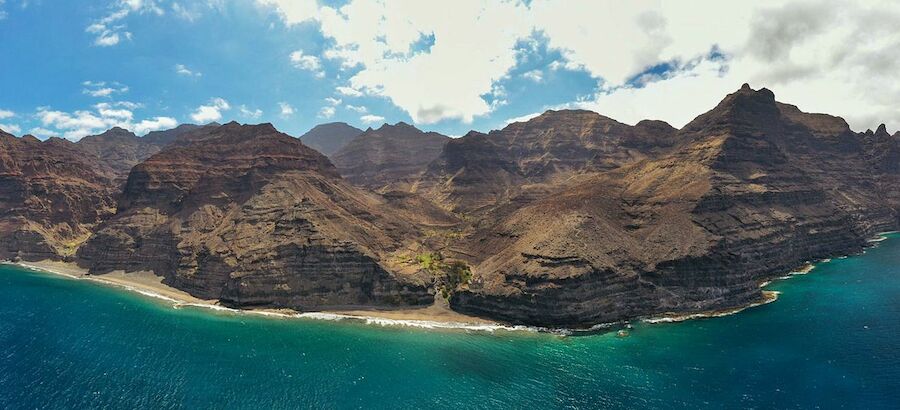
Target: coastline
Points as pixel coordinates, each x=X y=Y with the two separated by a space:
x=150 y=285
x=436 y=316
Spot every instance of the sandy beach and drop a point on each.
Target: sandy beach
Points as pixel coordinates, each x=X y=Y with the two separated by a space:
x=437 y=315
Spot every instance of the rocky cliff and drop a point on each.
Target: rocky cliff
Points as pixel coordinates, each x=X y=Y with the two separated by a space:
x=51 y=197
x=254 y=218
x=751 y=189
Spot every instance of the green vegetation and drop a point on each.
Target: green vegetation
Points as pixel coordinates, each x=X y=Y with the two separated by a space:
x=449 y=274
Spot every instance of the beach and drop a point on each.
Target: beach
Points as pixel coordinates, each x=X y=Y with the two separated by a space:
x=149 y=284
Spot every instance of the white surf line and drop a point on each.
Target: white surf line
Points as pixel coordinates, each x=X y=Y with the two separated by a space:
x=369 y=320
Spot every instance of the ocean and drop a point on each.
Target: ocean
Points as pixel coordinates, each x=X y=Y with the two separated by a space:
x=831 y=340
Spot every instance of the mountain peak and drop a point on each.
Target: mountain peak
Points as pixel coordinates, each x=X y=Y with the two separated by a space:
x=330 y=137
x=882 y=131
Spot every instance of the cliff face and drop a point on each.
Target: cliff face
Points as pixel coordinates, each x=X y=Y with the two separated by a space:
x=391 y=157
x=51 y=196
x=253 y=217
x=752 y=189
x=330 y=138
x=527 y=159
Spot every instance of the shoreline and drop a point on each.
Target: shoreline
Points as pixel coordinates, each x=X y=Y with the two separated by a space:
x=431 y=317
x=150 y=285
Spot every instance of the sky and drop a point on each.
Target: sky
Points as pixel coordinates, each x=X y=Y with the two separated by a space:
x=76 y=68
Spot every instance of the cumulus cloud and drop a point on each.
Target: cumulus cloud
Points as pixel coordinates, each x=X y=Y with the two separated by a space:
x=326 y=112
x=357 y=108
x=835 y=56
x=371 y=119
x=154 y=124
x=307 y=62
x=211 y=111
x=78 y=124
x=4 y=114
x=348 y=91
x=287 y=110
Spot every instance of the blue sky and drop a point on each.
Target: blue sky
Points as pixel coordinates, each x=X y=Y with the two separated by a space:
x=75 y=68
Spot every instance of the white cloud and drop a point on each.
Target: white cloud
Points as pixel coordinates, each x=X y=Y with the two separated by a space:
x=333 y=101
x=293 y=11
x=357 y=108
x=109 y=30
x=534 y=75
x=102 y=89
x=522 y=118
x=327 y=112
x=154 y=124
x=43 y=132
x=11 y=128
x=4 y=114
x=370 y=119
x=181 y=69
x=286 y=109
x=211 y=111
x=185 y=13
x=249 y=113
x=307 y=62
x=350 y=92
x=80 y=123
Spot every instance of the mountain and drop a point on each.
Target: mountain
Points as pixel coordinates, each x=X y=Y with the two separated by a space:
x=121 y=149
x=253 y=217
x=568 y=219
x=391 y=157
x=330 y=138
x=751 y=189
x=51 y=197
x=524 y=159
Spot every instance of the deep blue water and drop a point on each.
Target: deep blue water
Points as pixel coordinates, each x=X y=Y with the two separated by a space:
x=831 y=340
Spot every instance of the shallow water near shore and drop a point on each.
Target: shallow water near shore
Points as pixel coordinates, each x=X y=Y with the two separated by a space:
x=831 y=340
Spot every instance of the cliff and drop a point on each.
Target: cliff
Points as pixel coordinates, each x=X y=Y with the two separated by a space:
x=253 y=217
x=51 y=197
x=752 y=189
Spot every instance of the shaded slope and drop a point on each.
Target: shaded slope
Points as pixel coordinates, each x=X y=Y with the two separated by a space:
x=330 y=138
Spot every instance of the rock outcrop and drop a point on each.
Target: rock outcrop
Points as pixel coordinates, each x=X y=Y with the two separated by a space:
x=331 y=137
x=252 y=217
x=51 y=197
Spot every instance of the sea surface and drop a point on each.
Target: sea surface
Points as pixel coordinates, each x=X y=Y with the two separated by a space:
x=832 y=340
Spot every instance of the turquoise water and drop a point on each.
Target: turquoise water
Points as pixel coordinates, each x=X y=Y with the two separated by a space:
x=832 y=340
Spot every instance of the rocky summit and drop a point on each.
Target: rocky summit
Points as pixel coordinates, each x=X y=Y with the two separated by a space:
x=568 y=219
